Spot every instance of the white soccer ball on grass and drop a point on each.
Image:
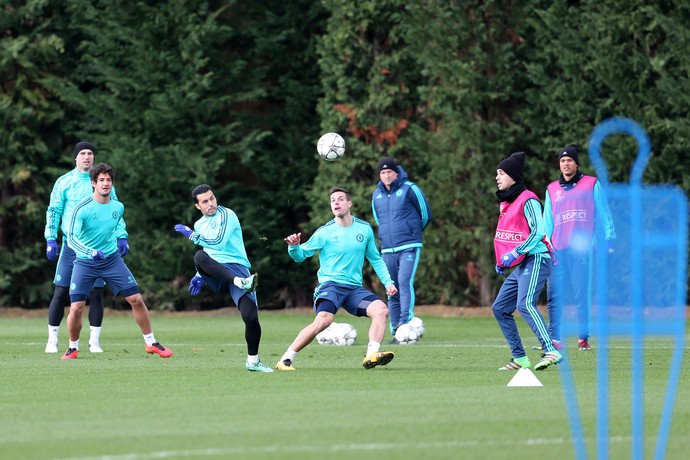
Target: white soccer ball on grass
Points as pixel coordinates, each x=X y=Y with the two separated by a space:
x=417 y=325
x=344 y=335
x=341 y=334
x=405 y=335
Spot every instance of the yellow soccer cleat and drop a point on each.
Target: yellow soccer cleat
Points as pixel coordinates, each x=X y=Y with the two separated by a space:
x=379 y=358
x=285 y=365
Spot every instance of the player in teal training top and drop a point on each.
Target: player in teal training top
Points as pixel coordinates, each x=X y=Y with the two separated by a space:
x=92 y=236
x=70 y=189
x=224 y=265
x=342 y=243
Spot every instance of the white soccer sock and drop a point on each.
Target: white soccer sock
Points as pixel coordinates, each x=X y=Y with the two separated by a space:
x=252 y=359
x=74 y=344
x=95 y=334
x=373 y=347
x=149 y=339
x=53 y=333
x=289 y=354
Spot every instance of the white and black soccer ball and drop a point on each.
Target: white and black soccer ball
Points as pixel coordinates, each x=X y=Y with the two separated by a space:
x=325 y=337
x=331 y=146
x=344 y=335
x=417 y=325
x=405 y=335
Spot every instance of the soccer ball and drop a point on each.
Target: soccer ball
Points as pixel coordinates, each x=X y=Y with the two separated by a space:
x=341 y=334
x=417 y=325
x=344 y=335
x=405 y=335
x=331 y=146
x=325 y=337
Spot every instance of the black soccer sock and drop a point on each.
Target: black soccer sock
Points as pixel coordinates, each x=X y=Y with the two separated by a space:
x=209 y=267
x=96 y=307
x=56 y=309
x=252 y=328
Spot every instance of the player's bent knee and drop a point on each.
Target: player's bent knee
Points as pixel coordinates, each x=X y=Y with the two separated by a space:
x=136 y=302
x=322 y=321
x=378 y=309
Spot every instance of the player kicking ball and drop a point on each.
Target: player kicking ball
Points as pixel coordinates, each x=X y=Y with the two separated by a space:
x=342 y=243
x=92 y=237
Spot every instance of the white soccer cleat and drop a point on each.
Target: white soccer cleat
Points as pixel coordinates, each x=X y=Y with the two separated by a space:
x=95 y=347
x=51 y=347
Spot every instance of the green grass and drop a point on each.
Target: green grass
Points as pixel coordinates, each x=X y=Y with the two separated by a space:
x=440 y=399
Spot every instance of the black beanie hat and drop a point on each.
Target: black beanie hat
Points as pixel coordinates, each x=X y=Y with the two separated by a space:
x=387 y=163
x=83 y=146
x=572 y=151
x=513 y=165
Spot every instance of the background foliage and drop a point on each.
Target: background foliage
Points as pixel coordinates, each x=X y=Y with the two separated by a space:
x=235 y=94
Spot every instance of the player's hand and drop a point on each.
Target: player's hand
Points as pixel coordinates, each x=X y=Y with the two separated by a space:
x=195 y=285
x=123 y=246
x=391 y=290
x=52 y=250
x=186 y=231
x=97 y=255
x=500 y=270
x=294 y=239
x=508 y=258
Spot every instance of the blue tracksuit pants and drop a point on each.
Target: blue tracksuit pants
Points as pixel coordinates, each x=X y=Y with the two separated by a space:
x=402 y=267
x=521 y=291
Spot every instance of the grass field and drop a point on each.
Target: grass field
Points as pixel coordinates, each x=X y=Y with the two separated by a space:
x=440 y=399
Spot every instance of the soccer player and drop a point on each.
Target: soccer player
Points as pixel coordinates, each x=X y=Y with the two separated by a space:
x=401 y=212
x=573 y=206
x=224 y=265
x=92 y=236
x=342 y=243
x=69 y=190
x=520 y=242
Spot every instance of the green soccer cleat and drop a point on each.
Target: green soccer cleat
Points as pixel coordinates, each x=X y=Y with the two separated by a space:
x=380 y=358
x=258 y=367
x=516 y=364
x=547 y=359
x=250 y=284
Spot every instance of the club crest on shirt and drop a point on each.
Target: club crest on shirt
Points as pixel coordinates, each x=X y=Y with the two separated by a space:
x=360 y=237
x=115 y=215
x=399 y=193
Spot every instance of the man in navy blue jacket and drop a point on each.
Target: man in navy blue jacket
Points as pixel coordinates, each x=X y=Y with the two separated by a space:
x=401 y=212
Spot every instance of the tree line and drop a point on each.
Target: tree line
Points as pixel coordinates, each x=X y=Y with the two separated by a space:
x=236 y=93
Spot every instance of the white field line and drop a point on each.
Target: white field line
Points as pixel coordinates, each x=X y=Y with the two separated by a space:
x=279 y=450
x=469 y=344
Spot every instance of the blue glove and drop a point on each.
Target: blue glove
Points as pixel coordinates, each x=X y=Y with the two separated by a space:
x=186 y=231
x=123 y=246
x=500 y=270
x=509 y=257
x=52 y=250
x=195 y=285
x=97 y=254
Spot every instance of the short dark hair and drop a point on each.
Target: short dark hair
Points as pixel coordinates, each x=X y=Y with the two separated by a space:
x=332 y=190
x=101 y=168
x=198 y=190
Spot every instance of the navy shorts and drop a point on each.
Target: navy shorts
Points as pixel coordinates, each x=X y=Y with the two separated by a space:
x=354 y=299
x=63 y=272
x=112 y=269
x=223 y=286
